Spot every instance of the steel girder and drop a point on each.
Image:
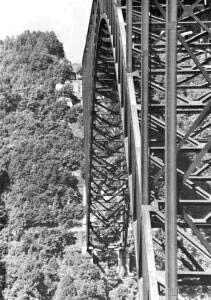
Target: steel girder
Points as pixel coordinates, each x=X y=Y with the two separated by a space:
x=140 y=33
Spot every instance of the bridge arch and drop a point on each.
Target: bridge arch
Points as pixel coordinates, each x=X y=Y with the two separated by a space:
x=106 y=171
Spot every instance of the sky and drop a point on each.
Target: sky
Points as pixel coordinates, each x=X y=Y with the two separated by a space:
x=68 y=18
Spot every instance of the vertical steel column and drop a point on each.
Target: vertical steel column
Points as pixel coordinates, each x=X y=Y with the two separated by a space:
x=145 y=101
x=129 y=36
x=170 y=151
x=144 y=128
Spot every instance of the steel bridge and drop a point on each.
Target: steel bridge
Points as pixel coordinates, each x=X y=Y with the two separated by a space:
x=147 y=104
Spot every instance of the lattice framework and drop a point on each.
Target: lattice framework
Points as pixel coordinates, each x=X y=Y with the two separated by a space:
x=138 y=62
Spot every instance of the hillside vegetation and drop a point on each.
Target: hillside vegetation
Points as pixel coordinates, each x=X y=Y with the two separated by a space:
x=40 y=204
x=40 y=200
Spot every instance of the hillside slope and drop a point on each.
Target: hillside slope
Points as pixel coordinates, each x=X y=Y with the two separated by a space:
x=40 y=200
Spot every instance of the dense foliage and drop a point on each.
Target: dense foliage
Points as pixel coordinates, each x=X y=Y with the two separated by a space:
x=40 y=198
x=40 y=156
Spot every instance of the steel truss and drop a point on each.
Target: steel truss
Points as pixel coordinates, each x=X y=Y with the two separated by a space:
x=147 y=91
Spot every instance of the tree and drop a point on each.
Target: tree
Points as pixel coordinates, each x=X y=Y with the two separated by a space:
x=80 y=279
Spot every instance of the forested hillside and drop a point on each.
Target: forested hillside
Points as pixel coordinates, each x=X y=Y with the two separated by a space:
x=40 y=200
x=41 y=151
